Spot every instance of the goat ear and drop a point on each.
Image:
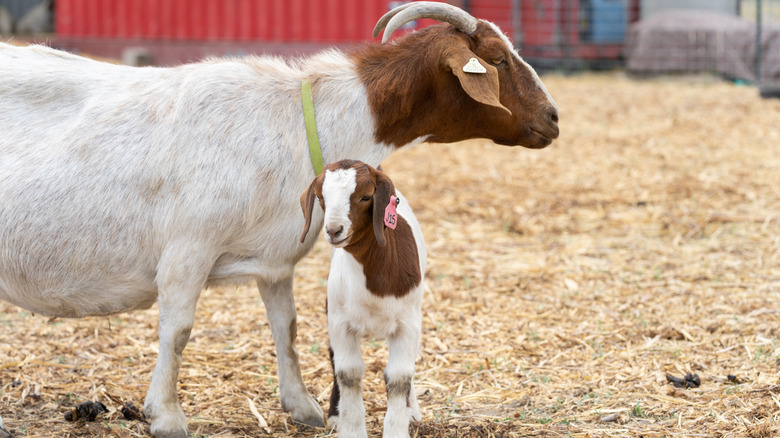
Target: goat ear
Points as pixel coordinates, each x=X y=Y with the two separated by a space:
x=307 y=205
x=482 y=87
x=384 y=188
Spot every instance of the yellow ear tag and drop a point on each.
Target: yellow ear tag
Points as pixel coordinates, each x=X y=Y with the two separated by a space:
x=473 y=66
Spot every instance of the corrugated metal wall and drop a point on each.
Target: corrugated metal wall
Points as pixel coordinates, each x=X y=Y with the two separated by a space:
x=498 y=11
x=329 y=21
x=182 y=30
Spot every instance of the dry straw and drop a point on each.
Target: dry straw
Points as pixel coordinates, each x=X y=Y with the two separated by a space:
x=564 y=286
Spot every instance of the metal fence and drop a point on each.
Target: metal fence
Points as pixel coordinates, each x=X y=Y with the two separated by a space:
x=736 y=39
x=767 y=21
x=18 y=8
x=26 y=16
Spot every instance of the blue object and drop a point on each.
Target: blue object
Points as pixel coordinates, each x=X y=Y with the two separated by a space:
x=606 y=21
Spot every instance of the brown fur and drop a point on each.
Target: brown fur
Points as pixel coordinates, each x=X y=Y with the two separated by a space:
x=389 y=257
x=416 y=88
x=390 y=270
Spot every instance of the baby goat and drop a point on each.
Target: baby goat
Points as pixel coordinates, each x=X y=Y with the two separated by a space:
x=375 y=288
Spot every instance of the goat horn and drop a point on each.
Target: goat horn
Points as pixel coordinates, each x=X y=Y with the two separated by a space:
x=444 y=12
x=385 y=18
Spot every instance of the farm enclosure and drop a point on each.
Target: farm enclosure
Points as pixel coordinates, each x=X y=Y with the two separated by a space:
x=565 y=284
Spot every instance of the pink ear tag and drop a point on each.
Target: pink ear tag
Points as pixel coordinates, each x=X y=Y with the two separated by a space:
x=391 y=215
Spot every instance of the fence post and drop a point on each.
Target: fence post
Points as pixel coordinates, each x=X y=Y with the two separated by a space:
x=758 y=42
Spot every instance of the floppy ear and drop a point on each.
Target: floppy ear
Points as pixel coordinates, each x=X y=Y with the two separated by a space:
x=384 y=188
x=307 y=204
x=482 y=87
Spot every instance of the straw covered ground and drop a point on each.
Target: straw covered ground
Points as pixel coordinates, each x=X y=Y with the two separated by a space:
x=564 y=285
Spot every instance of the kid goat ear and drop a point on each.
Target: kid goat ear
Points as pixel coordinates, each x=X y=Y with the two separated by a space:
x=307 y=205
x=384 y=189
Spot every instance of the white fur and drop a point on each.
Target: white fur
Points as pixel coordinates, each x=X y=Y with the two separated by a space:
x=334 y=186
x=123 y=186
x=354 y=313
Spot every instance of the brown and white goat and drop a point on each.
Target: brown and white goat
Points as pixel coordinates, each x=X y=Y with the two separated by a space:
x=121 y=187
x=375 y=288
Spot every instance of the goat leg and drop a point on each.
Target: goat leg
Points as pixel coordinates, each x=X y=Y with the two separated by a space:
x=280 y=309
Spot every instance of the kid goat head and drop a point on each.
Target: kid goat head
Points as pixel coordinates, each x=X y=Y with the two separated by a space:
x=353 y=196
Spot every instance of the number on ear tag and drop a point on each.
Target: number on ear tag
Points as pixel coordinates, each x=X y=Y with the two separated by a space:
x=473 y=66
x=391 y=215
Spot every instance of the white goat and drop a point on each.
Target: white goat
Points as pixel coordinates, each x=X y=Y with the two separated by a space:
x=375 y=288
x=122 y=186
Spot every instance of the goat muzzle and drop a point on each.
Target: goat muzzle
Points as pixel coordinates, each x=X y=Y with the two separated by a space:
x=336 y=235
x=547 y=127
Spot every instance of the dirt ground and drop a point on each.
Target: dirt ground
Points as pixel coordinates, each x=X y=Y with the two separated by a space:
x=564 y=285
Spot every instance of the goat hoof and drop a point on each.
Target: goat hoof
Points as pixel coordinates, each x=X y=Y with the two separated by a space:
x=174 y=434
x=306 y=412
x=172 y=424
x=161 y=431
x=313 y=421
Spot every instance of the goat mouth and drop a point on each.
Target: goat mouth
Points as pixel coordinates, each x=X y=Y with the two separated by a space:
x=542 y=139
x=340 y=243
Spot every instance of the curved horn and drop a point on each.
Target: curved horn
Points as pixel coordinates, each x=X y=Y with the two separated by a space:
x=444 y=12
x=385 y=18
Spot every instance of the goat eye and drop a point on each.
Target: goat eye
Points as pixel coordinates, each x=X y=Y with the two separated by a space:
x=365 y=199
x=498 y=61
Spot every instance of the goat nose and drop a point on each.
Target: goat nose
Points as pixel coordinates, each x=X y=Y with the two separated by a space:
x=552 y=113
x=334 y=232
x=554 y=131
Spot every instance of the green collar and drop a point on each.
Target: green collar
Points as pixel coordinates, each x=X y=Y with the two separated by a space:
x=311 y=128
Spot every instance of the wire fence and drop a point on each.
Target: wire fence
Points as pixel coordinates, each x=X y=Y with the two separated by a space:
x=735 y=39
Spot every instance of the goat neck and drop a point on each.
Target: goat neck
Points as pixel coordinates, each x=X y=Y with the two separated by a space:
x=390 y=270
